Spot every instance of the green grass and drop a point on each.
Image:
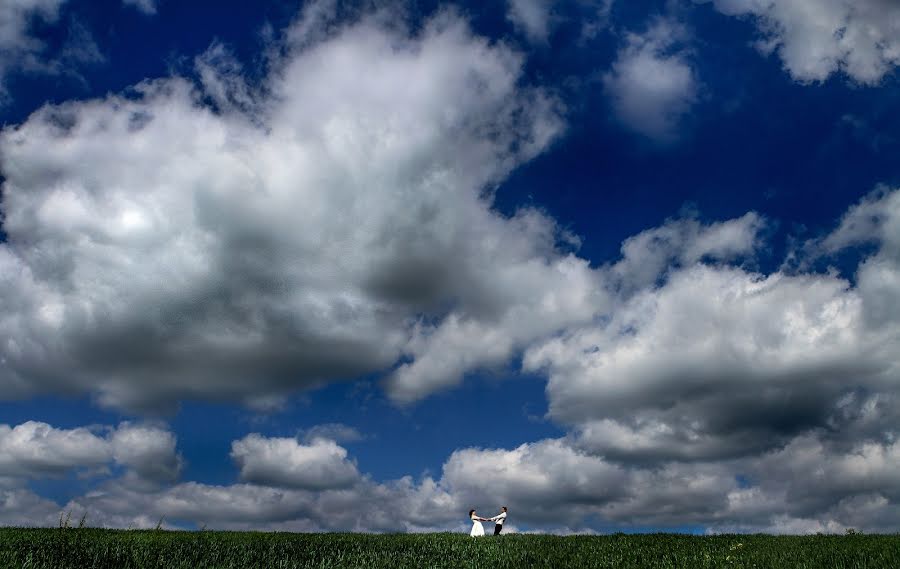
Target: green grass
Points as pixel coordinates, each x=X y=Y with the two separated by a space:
x=122 y=549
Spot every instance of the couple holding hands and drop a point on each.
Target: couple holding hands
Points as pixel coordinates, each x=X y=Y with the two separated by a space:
x=478 y=529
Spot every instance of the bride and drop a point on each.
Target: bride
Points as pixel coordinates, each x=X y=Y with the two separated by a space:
x=477 y=528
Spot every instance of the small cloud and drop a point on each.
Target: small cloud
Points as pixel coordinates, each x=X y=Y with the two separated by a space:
x=337 y=432
x=146 y=6
x=652 y=85
x=285 y=463
x=533 y=17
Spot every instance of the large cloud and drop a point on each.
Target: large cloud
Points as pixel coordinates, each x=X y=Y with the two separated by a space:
x=317 y=227
x=717 y=359
x=548 y=485
x=713 y=361
x=809 y=485
x=816 y=38
x=651 y=83
x=707 y=394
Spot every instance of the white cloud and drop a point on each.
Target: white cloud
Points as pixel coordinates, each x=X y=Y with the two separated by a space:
x=549 y=486
x=814 y=482
x=35 y=449
x=546 y=483
x=148 y=451
x=20 y=508
x=649 y=255
x=158 y=250
x=542 y=302
x=221 y=75
x=700 y=360
x=400 y=505
x=807 y=486
x=651 y=84
x=704 y=393
x=18 y=48
x=14 y=20
x=283 y=462
x=541 y=297
x=533 y=17
x=874 y=221
x=816 y=38
x=716 y=360
x=337 y=432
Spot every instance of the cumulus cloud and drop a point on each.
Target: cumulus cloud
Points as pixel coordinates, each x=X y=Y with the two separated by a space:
x=705 y=393
x=532 y=17
x=401 y=505
x=547 y=483
x=159 y=249
x=541 y=297
x=715 y=357
x=817 y=38
x=150 y=452
x=35 y=449
x=651 y=84
x=216 y=240
x=283 y=462
x=701 y=359
x=285 y=486
x=808 y=485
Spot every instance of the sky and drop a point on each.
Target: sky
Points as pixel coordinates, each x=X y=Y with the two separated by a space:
x=365 y=266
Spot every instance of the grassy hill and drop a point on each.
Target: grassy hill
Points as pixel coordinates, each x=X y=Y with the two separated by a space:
x=121 y=549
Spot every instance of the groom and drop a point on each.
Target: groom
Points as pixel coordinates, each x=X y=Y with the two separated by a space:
x=498 y=520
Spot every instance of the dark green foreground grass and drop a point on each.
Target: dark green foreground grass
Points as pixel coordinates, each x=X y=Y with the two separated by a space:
x=121 y=549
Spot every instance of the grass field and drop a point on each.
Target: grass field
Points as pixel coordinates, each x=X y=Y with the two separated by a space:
x=120 y=549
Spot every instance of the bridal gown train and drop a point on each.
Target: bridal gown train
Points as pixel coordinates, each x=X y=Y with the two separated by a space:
x=477 y=528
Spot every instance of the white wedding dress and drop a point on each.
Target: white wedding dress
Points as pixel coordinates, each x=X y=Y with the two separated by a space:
x=477 y=528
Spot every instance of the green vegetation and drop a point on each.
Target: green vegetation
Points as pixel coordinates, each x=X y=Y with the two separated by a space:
x=122 y=549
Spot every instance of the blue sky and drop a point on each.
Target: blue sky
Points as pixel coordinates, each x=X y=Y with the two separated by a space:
x=350 y=266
